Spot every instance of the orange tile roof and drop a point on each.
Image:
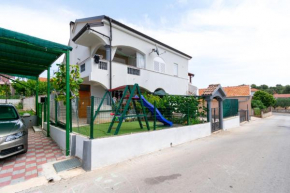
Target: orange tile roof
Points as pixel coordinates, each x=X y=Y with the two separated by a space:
x=41 y=79
x=208 y=91
x=254 y=89
x=232 y=91
x=281 y=95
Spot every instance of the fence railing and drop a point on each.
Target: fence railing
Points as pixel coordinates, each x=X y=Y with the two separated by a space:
x=230 y=107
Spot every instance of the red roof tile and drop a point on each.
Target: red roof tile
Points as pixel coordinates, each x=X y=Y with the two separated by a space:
x=232 y=91
x=281 y=95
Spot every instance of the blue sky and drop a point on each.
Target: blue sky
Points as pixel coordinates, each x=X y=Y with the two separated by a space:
x=232 y=42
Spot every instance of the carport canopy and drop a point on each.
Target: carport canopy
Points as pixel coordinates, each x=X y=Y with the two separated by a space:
x=27 y=57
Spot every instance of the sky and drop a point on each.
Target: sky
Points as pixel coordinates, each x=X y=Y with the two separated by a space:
x=232 y=42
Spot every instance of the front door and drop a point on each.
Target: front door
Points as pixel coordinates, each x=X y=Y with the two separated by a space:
x=84 y=100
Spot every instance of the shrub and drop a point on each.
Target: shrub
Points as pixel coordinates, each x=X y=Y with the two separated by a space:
x=257 y=104
x=266 y=98
x=257 y=111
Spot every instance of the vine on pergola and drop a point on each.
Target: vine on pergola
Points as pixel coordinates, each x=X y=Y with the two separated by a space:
x=59 y=82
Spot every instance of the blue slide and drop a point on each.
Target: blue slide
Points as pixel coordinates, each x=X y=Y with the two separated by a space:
x=159 y=116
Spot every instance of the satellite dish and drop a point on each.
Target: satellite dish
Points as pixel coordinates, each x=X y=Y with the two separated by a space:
x=157 y=51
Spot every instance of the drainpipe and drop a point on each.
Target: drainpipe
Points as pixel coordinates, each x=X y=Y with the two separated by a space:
x=110 y=21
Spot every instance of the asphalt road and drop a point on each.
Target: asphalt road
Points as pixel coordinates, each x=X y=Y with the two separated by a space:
x=252 y=158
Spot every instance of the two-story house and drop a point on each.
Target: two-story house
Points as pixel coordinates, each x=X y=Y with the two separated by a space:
x=111 y=54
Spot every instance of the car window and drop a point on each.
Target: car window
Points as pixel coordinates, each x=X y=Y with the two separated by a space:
x=8 y=113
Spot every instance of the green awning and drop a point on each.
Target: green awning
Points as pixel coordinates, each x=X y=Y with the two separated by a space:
x=27 y=56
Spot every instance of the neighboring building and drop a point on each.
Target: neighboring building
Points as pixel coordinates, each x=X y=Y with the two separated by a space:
x=276 y=96
x=242 y=93
x=41 y=79
x=4 y=80
x=136 y=58
x=253 y=90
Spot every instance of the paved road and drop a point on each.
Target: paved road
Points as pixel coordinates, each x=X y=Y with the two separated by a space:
x=253 y=158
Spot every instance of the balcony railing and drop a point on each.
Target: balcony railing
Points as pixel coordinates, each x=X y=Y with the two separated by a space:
x=133 y=71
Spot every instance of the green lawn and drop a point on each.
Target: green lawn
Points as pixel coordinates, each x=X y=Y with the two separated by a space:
x=100 y=130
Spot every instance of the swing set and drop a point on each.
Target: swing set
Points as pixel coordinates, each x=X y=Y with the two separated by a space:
x=130 y=94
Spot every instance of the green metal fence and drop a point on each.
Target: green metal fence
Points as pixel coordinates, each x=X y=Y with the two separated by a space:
x=230 y=107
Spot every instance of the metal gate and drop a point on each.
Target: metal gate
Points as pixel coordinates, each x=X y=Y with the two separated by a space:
x=243 y=115
x=215 y=119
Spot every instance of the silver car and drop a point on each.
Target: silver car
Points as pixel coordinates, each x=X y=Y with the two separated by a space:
x=13 y=132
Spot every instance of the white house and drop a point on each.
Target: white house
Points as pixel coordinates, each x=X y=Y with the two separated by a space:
x=127 y=56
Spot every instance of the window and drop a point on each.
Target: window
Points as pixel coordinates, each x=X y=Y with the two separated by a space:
x=103 y=65
x=134 y=71
x=159 y=65
x=175 y=70
x=8 y=113
x=140 y=60
x=83 y=67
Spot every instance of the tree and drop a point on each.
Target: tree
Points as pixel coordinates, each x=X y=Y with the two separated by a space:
x=257 y=104
x=266 y=98
x=59 y=82
x=283 y=102
x=27 y=87
x=254 y=86
x=286 y=89
x=5 y=90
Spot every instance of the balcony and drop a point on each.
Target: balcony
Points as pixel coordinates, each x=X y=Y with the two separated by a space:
x=192 y=90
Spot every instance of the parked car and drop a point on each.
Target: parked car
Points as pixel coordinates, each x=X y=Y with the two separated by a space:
x=13 y=132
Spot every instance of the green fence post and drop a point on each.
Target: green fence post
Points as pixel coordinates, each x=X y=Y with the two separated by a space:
x=55 y=104
x=44 y=110
x=154 y=126
x=70 y=104
x=67 y=83
x=187 y=114
x=92 y=118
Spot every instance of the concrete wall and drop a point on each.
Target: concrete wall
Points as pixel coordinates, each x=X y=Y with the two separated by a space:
x=30 y=121
x=11 y=101
x=107 y=151
x=76 y=141
x=29 y=102
x=231 y=122
x=265 y=115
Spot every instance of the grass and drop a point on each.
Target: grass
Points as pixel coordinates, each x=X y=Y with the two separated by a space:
x=100 y=130
x=21 y=112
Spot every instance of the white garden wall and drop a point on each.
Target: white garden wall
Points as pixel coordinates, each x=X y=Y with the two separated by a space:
x=231 y=122
x=11 y=101
x=111 y=150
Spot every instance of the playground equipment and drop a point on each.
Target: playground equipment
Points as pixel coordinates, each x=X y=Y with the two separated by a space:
x=119 y=113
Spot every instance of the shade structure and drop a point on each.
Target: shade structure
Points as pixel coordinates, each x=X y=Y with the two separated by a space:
x=27 y=56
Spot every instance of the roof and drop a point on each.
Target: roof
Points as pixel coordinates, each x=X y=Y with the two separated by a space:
x=209 y=91
x=101 y=17
x=27 y=56
x=254 y=90
x=232 y=91
x=41 y=79
x=281 y=95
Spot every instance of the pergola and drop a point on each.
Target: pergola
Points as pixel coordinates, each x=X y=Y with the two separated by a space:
x=27 y=57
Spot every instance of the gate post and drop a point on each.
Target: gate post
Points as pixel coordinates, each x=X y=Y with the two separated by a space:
x=209 y=115
x=221 y=114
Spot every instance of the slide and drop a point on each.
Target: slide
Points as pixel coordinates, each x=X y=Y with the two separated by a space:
x=159 y=116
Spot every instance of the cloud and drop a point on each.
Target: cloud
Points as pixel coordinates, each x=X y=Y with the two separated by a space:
x=245 y=43
x=50 y=24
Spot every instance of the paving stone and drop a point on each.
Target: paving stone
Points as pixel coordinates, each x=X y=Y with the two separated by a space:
x=5 y=179
x=18 y=172
x=6 y=171
x=30 y=165
x=17 y=180
x=19 y=164
x=31 y=172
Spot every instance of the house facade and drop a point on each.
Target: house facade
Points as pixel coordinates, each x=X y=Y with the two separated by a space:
x=111 y=54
